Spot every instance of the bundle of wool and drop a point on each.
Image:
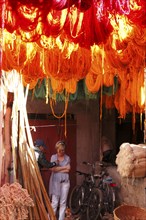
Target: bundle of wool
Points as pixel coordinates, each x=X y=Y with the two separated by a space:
x=124 y=160
x=131 y=160
x=139 y=152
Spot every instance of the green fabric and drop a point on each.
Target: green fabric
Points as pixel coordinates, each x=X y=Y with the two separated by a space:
x=82 y=92
x=112 y=89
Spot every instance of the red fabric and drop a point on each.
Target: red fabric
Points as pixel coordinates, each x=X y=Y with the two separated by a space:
x=51 y=28
x=118 y=6
x=139 y=17
x=94 y=30
x=95 y=27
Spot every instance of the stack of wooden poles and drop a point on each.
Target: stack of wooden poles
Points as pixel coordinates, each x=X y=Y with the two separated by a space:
x=24 y=166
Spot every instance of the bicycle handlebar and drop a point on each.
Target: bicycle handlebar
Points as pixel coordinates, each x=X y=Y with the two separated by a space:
x=87 y=163
x=101 y=164
x=100 y=175
x=82 y=173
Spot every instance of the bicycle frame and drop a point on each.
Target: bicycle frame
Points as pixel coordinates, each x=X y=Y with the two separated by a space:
x=107 y=186
x=94 y=196
x=82 y=192
x=86 y=188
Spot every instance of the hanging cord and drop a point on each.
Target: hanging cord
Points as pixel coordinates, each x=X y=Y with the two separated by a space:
x=144 y=139
x=101 y=101
x=64 y=113
x=47 y=90
x=65 y=109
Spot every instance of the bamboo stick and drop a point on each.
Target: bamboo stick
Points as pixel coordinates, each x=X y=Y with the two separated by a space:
x=1 y=122
x=42 y=211
x=45 y=195
x=22 y=149
x=26 y=175
x=7 y=145
x=36 y=188
x=17 y=151
x=48 y=204
x=33 y=166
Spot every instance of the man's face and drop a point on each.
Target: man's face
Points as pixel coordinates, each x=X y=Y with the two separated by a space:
x=41 y=148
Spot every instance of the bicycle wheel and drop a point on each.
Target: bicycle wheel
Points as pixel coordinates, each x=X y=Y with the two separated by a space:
x=75 y=200
x=94 y=205
x=109 y=197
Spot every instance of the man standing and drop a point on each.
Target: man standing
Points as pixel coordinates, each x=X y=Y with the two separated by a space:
x=39 y=147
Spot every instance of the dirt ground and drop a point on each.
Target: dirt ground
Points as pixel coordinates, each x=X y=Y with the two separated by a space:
x=69 y=216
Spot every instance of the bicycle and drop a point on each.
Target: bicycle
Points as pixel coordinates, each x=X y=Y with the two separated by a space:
x=95 y=196
x=107 y=187
x=79 y=201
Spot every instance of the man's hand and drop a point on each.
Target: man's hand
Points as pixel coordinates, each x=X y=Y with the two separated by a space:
x=57 y=162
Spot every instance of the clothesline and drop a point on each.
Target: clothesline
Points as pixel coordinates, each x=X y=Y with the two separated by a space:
x=33 y=127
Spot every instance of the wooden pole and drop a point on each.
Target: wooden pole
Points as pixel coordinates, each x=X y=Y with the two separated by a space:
x=7 y=136
x=17 y=148
x=1 y=122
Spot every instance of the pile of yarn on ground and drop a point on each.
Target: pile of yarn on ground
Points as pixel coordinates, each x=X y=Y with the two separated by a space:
x=14 y=202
